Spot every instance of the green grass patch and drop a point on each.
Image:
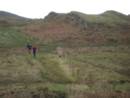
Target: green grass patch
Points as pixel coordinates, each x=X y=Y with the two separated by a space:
x=11 y=37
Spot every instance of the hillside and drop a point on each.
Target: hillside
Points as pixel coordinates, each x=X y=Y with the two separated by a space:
x=108 y=28
x=10 y=19
x=95 y=58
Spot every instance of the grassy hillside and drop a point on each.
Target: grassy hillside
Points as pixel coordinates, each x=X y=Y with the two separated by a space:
x=16 y=65
x=111 y=18
x=11 y=37
x=94 y=60
x=88 y=69
x=75 y=28
x=20 y=67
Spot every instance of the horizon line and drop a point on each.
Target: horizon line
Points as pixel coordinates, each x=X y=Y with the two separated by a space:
x=61 y=13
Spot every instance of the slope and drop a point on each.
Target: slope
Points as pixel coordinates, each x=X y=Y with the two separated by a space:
x=95 y=51
x=12 y=37
x=74 y=28
x=12 y=19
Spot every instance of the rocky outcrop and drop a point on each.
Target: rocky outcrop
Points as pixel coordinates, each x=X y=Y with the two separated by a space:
x=69 y=18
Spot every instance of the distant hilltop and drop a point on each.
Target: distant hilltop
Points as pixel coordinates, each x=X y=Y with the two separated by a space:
x=9 y=14
x=7 y=17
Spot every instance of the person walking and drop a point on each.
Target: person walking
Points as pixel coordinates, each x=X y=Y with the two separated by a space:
x=29 y=47
x=59 y=51
x=34 y=51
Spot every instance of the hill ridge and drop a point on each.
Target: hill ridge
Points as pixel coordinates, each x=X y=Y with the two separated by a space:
x=5 y=13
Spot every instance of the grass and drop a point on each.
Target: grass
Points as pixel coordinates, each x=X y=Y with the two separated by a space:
x=76 y=74
x=82 y=68
x=25 y=68
x=12 y=37
x=98 y=67
x=110 y=18
x=101 y=68
x=94 y=69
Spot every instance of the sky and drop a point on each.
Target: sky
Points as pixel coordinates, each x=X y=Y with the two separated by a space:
x=40 y=8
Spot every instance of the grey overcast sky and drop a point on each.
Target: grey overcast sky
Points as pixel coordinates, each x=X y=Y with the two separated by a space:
x=40 y=8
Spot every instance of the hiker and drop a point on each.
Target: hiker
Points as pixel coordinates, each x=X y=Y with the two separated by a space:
x=34 y=50
x=59 y=51
x=29 y=47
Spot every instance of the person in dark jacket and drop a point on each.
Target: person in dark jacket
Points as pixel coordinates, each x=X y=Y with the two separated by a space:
x=34 y=51
x=29 y=47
